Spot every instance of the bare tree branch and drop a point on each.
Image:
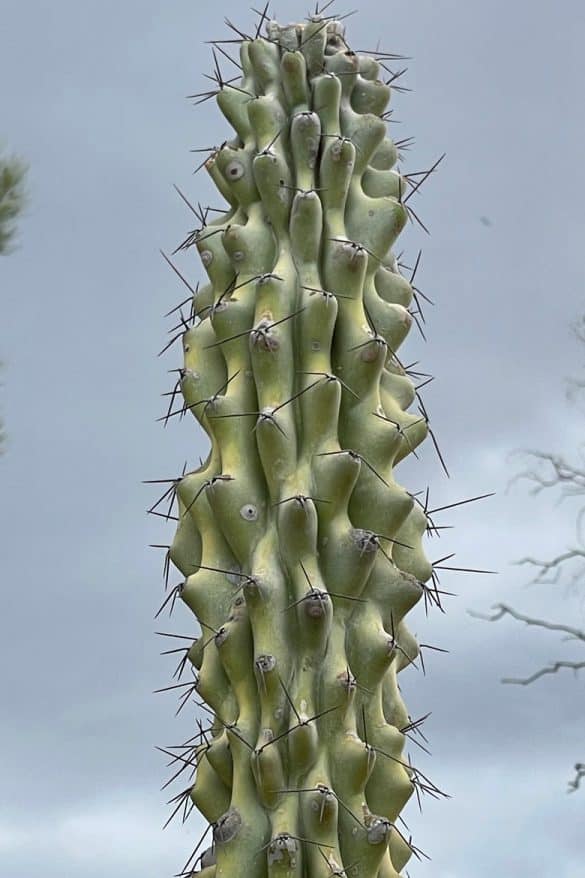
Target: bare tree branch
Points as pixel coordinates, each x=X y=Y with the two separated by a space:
x=550 y=669
x=555 y=567
x=501 y=610
x=579 y=775
x=565 y=474
x=554 y=471
x=575 y=385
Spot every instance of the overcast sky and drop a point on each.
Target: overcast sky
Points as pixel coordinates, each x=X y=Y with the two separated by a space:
x=93 y=97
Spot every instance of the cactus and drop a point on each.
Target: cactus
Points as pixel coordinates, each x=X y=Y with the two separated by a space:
x=300 y=554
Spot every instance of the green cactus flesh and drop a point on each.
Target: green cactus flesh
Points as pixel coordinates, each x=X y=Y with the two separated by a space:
x=301 y=555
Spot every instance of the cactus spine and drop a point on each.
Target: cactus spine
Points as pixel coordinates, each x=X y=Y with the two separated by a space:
x=300 y=553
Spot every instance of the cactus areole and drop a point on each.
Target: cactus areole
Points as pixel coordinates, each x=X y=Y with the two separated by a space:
x=300 y=553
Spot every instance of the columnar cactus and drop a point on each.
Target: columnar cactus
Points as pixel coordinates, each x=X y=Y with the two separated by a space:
x=301 y=555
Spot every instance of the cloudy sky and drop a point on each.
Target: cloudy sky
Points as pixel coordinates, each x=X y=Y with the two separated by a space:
x=93 y=98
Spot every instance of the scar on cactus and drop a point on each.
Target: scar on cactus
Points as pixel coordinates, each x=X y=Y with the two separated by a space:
x=300 y=555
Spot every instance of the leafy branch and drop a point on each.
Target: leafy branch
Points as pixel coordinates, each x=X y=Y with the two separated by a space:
x=12 y=198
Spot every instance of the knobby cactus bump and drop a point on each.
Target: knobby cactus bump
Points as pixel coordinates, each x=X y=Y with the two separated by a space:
x=300 y=554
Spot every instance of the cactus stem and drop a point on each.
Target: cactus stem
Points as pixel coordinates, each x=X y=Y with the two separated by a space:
x=401 y=430
x=243 y=91
x=329 y=377
x=355 y=456
x=357 y=247
x=337 y=871
x=325 y=791
x=282 y=185
x=268 y=149
x=371 y=542
x=299 y=725
x=295 y=396
x=371 y=468
x=428 y=786
x=377 y=339
x=201 y=238
x=349 y=811
x=229 y=727
x=350 y=683
x=228 y=573
x=391 y=540
x=325 y=293
x=313 y=34
x=411 y=660
x=283 y=211
x=340 y=137
x=289 y=699
x=260 y=331
x=322 y=595
x=286 y=835
x=301 y=499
